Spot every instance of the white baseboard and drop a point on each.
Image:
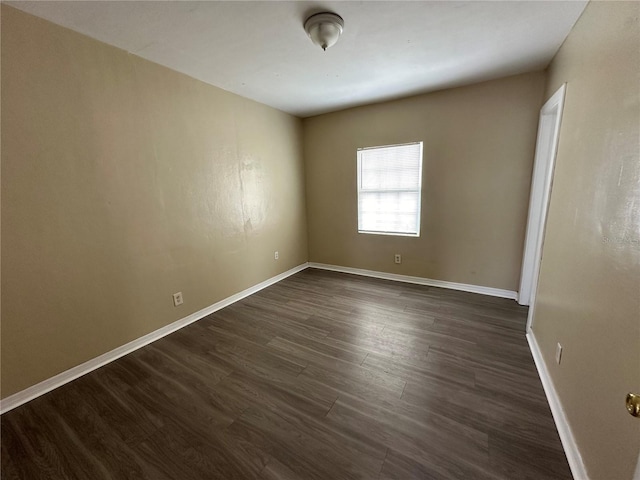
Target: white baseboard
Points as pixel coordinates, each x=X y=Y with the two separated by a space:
x=564 y=430
x=494 y=292
x=67 y=376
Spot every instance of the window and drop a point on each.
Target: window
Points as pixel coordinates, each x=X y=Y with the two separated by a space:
x=389 y=186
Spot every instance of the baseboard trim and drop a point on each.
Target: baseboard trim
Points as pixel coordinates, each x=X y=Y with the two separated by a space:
x=564 y=430
x=67 y=376
x=494 y=292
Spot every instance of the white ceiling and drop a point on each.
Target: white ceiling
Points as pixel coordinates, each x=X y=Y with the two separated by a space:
x=389 y=49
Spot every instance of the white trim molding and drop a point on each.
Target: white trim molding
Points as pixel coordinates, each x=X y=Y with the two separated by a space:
x=464 y=287
x=67 y=376
x=564 y=430
x=541 y=184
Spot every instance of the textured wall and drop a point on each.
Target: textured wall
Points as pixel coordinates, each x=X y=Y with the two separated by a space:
x=589 y=289
x=122 y=183
x=479 y=145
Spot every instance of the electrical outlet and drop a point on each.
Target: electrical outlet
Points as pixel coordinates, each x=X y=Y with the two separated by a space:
x=398 y=258
x=276 y=255
x=558 y=353
x=177 y=299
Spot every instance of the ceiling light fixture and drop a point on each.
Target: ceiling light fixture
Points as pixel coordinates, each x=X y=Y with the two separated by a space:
x=324 y=28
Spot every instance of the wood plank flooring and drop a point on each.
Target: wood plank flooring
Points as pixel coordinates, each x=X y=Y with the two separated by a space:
x=321 y=376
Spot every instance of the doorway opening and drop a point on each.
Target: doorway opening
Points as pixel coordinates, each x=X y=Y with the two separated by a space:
x=541 y=183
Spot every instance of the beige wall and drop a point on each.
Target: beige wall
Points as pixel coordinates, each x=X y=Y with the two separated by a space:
x=589 y=290
x=122 y=183
x=479 y=144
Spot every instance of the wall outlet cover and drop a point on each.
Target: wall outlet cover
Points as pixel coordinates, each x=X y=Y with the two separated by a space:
x=177 y=299
x=558 y=353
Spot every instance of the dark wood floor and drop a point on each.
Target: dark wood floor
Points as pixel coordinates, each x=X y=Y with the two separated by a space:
x=322 y=376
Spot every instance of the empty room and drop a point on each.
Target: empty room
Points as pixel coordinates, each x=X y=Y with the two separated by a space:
x=320 y=240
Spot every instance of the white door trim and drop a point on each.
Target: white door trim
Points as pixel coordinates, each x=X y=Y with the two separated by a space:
x=546 y=149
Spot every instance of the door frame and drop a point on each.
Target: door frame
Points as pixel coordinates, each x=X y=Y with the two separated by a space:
x=541 y=183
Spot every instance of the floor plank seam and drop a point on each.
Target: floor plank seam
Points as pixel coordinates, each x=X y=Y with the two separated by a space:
x=386 y=453
x=364 y=359
x=331 y=408
x=403 y=389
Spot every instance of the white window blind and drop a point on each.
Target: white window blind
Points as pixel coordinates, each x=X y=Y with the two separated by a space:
x=389 y=187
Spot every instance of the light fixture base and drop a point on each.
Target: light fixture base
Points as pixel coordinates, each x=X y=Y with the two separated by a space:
x=324 y=28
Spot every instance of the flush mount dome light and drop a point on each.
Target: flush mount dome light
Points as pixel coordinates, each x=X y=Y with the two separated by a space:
x=324 y=28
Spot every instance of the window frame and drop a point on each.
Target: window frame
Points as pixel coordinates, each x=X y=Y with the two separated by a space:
x=418 y=190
